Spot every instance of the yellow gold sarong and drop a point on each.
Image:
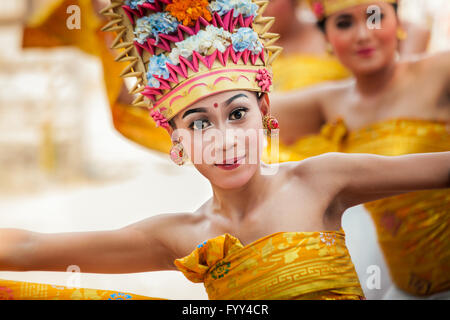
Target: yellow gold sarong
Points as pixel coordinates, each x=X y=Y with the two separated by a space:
x=18 y=290
x=296 y=71
x=413 y=229
x=281 y=266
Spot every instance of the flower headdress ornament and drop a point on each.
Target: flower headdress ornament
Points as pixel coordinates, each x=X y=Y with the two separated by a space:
x=325 y=8
x=183 y=50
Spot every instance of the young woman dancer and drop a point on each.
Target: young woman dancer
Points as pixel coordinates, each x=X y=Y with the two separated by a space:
x=269 y=231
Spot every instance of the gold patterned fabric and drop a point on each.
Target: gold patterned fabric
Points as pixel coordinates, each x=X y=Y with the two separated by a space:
x=281 y=266
x=296 y=71
x=413 y=229
x=18 y=290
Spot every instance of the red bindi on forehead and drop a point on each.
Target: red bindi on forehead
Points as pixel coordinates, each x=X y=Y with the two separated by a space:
x=215 y=105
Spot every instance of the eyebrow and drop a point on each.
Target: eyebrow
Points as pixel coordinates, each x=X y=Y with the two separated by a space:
x=344 y=16
x=226 y=103
x=234 y=98
x=193 y=111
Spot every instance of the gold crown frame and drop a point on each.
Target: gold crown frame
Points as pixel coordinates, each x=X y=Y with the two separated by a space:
x=325 y=8
x=200 y=77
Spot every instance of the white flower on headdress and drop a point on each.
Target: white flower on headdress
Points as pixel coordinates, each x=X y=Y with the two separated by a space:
x=204 y=42
x=244 y=7
x=153 y=25
x=213 y=38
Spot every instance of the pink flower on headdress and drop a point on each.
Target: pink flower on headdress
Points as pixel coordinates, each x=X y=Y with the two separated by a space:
x=264 y=79
x=160 y=120
x=318 y=9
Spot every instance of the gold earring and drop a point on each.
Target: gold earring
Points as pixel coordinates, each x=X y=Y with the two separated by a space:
x=269 y=124
x=401 y=34
x=330 y=50
x=177 y=153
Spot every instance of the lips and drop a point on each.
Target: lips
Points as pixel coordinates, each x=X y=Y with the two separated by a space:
x=230 y=164
x=366 y=52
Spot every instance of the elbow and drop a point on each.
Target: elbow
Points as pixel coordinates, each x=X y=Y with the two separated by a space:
x=448 y=179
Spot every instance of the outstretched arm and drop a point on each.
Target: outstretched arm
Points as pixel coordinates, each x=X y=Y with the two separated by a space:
x=437 y=68
x=417 y=41
x=139 y=247
x=298 y=113
x=361 y=178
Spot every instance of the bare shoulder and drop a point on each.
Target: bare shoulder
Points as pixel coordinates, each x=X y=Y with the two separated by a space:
x=320 y=163
x=322 y=91
x=441 y=59
x=321 y=171
x=169 y=231
x=332 y=88
x=437 y=62
x=334 y=94
x=161 y=223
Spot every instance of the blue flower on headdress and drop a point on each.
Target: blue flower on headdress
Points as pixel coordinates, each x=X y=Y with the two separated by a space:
x=245 y=7
x=133 y=4
x=246 y=38
x=153 y=25
x=157 y=67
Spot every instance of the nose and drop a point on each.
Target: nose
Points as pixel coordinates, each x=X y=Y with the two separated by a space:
x=225 y=142
x=229 y=141
x=362 y=32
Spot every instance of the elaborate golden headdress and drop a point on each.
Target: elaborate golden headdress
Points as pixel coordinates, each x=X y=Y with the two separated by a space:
x=325 y=8
x=183 y=50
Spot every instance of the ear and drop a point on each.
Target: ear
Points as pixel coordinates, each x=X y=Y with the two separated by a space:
x=264 y=104
x=173 y=133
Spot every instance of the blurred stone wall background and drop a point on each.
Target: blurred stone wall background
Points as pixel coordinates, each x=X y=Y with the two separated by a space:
x=42 y=108
x=431 y=14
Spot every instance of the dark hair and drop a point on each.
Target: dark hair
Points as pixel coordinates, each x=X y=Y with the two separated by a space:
x=259 y=96
x=172 y=124
x=322 y=23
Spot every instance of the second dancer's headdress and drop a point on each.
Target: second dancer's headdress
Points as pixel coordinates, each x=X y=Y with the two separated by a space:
x=325 y=8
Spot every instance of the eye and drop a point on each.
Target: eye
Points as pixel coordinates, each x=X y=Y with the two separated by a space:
x=238 y=114
x=199 y=124
x=344 y=24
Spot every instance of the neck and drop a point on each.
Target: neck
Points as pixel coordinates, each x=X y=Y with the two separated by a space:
x=373 y=83
x=236 y=204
